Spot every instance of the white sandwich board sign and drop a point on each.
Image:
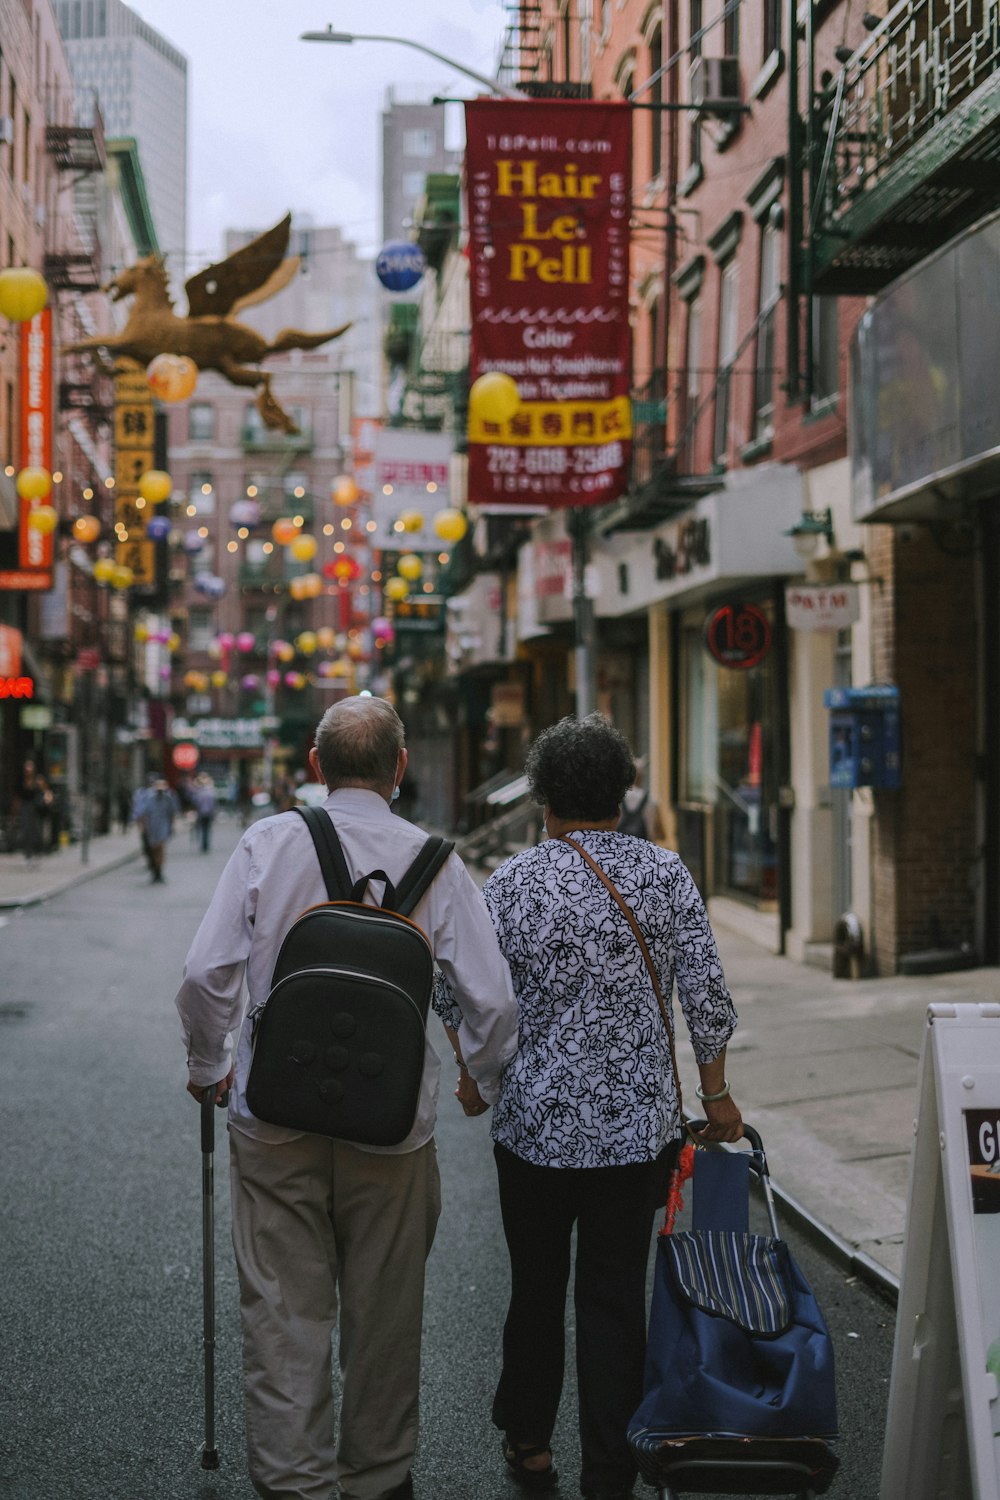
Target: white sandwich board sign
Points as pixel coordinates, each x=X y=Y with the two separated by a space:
x=942 y=1437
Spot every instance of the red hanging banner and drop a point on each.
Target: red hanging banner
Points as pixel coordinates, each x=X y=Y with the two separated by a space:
x=35 y=548
x=549 y=194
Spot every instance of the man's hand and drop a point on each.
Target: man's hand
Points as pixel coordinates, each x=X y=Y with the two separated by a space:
x=469 y=1097
x=197 y=1090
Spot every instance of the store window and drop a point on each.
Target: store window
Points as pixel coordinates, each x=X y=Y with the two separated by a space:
x=729 y=763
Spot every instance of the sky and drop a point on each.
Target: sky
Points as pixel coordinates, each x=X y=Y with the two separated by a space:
x=277 y=124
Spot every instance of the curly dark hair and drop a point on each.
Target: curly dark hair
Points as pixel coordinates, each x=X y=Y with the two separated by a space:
x=581 y=768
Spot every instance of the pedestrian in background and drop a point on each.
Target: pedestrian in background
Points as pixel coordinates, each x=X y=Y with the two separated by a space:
x=203 y=801
x=587 y=1120
x=30 y=810
x=641 y=814
x=326 y=1232
x=156 y=819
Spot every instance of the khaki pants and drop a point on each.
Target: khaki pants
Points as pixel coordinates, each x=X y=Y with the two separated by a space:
x=312 y=1219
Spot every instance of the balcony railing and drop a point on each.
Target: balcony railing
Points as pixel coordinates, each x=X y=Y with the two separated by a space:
x=265 y=440
x=907 y=143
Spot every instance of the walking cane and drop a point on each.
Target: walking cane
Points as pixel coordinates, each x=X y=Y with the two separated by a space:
x=209 y=1452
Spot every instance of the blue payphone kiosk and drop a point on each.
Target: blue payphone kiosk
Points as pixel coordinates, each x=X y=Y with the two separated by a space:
x=864 y=736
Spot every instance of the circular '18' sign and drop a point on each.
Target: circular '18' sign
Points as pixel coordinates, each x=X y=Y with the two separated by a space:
x=399 y=265
x=738 y=635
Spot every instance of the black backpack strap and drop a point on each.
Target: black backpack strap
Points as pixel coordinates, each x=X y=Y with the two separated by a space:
x=339 y=885
x=420 y=874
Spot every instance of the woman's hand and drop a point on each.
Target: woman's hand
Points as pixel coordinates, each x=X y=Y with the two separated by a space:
x=725 y=1123
x=468 y=1095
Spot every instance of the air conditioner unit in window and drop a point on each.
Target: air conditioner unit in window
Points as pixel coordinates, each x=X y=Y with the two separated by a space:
x=715 y=83
x=6 y=130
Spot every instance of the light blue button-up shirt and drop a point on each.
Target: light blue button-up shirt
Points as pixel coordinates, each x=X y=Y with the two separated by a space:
x=272 y=876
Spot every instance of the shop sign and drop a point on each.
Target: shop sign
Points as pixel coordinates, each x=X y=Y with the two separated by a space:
x=185 y=757
x=399 y=265
x=821 y=607
x=17 y=687
x=549 y=195
x=35 y=548
x=221 y=734
x=507 y=704
x=687 y=549
x=134 y=454
x=738 y=635
x=36 y=716
x=553 y=569
x=412 y=472
x=11 y=641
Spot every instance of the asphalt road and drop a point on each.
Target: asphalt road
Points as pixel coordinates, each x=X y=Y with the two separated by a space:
x=100 y=1256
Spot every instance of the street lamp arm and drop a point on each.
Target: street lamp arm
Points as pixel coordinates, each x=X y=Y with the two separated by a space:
x=329 y=35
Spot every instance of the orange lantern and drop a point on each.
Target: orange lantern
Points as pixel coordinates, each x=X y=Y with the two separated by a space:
x=303 y=548
x=34 y=484
x=155 y=485
x=172 y=377
x=284 y=531
x=345 y=490
x=325 y=638
x=23 y=293
x=86 y=528
x=312 y=585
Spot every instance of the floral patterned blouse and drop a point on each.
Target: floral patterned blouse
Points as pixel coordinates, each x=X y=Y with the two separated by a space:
x=591 y=1084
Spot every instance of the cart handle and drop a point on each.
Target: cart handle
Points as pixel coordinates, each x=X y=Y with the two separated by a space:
x=757 y=1163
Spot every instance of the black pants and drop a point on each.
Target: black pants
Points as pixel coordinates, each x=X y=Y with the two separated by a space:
x=613 y=1209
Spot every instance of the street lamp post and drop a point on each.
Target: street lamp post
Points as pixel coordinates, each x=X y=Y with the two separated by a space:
x=329 y=35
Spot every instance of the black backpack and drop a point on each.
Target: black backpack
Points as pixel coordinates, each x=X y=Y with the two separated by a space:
x=338 y=1046
x=633 y=820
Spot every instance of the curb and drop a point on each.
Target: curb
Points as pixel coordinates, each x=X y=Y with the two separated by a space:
x=85 y=872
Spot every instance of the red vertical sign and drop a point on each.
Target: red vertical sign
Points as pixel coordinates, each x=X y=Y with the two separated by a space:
x=35 y=549
x=549 y=188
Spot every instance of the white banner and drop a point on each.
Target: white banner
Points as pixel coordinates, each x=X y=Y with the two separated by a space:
x=411 y=479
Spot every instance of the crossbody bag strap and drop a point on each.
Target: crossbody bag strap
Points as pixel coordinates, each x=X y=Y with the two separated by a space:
x=432 y=855
x=644 y=950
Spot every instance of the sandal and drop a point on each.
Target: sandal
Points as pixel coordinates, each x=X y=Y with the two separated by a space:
x=514 y=1455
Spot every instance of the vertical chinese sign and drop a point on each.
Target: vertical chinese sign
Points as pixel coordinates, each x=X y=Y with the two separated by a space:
x=549 y=188
x=134 y=429
x=35 y=548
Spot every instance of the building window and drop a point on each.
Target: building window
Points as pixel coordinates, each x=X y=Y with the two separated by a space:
x=731 y=31
x=201 y=493
x=413 y=185
x=655 y=93
x=772 y=27
x=695 y=25
x=728 y=324
x=419 y=142
x=692 y=373
x=201 y=422
x=767 y=311
x=200 y=631
x=826 y=350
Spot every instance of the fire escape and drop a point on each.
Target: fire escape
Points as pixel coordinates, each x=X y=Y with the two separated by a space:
x=77 y=148
x=526 y=57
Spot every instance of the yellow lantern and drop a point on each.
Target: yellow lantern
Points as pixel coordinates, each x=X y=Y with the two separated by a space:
x=325 y=638
x=450 y=525
x=23 y=293
x=303 y=548
x=494 y=397
x=410 y=566
x=397 y=589
x=122 y=576
x=43 y=518
x=307 y=642
x=287 y=653
x=104 y=569
x=312 y=585
x=155 y=485
x=296 y=590
x=173 y=642
x=86 y=529
x=34 y=484
x=295 y=680
x=284 y=531
x=345 y=490
x=219 y=679
x=412 y=520
x=172 y=377
x=141 y=633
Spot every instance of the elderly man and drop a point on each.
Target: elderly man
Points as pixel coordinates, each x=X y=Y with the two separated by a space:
x=317 y=1221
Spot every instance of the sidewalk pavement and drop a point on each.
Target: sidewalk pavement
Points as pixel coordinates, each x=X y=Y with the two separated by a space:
x=826 y=1069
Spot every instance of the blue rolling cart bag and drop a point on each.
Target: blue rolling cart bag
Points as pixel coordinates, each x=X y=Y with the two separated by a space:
x=739 y=1385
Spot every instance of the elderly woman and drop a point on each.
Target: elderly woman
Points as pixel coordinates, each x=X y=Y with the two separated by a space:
x=588 y=1111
